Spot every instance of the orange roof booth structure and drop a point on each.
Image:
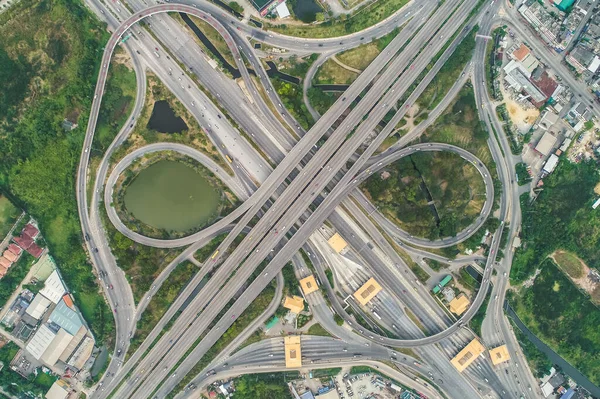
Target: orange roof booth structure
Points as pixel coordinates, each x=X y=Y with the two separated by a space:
x=293 y=355
x=459 y=304
x=367 y=291
x=499 y=355
x=308 y=285
x=468 y=355
x=337 y=243
x=294 y=303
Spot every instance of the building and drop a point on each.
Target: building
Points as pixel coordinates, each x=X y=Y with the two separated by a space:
x=59 y=390
x=38 y=307
x=499 y=355
x=546 y=144
x=308 y=285
x=264 y=7
x=468 y=355
x=5 y=263
x=66 y=318
x=337 y=243
x=31 y=230
x=14 y=249
x=282 y=10
x=520 y=53
x=11 y=257
x=569 y=394
x=294 y=303
x=23 y=241
x=367 y=292
x=54 y=288
x=547 y=120
x=550 y=164
x=459 y=304
x=293 y=353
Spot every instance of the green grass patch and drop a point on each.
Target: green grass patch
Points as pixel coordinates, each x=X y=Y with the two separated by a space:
x=320 y=100
x=8 y=215
x=570 y=263
x=317 y=329
x=292 y=98
x=324 y=373
x=477 y=320
x=360 y=57
x=333 y=73
x=162 y=299
x=360 y=19
x=17 y=386
x=271 y=385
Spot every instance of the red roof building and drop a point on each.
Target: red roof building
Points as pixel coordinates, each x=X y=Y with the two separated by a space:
x=10 y=256
x=31 y=230
x=546 y=84
x=5 y=263
x=68 y=301
x=24 y=241
x=35 y=250
x=14 y=249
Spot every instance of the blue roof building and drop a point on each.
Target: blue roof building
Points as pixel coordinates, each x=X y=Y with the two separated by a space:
x=67 y=318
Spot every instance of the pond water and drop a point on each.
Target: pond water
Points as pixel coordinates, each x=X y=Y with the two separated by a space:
x=171 y=195
x=164 y=120
x=306 y=10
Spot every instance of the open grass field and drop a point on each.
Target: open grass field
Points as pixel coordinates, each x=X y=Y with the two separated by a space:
x=415 y=183
x=333 y=73
x=344 y=25
x=8 y=216
x=360 y=57
x=570 y=263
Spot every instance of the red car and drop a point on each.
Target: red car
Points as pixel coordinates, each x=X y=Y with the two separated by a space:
x=111 y=287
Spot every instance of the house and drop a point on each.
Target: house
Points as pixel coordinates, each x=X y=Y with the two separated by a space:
x=35 y=251
x=11 y=257
x=24 y=241
x=31 y=230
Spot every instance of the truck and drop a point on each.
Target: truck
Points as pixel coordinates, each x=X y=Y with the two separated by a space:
x=156 y=54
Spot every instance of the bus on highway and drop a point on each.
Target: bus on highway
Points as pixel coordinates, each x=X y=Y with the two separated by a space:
x=215 y=254
x=228 y=158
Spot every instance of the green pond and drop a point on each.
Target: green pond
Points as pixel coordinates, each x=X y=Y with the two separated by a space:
x=171 y=195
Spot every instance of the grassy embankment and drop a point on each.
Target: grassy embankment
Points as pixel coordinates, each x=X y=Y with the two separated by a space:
x=161 y=301
x=360 y=19
x=49 y=59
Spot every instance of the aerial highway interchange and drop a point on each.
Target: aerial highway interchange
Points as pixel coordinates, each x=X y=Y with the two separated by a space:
x=295 y=190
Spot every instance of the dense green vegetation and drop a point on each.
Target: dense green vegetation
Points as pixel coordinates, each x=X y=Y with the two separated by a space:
x=537 y=360
x=140 y=263
x=522 y=174
x=291 y=286
x=455 y=187
x=345 y=24
x=560 y=218
x=203 y=253
x=291 y=96
x=477 y=320
x=564 y=318
x=14 y=384
x=116 y=106
x=39 y=158
x=160 y=302
x=8 y=216
x=320 y=100
x=272 y=386
x=298 y=67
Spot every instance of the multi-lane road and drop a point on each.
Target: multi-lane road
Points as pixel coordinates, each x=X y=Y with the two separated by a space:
x=304 y=171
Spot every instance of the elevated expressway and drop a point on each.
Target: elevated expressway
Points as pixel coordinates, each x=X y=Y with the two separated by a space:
x=284 y=193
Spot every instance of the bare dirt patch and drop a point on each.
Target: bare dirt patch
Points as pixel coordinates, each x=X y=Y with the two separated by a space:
x=584 y=277
x=521 y=117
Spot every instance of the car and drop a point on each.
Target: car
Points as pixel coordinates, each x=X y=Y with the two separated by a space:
x=233 y=316
x=156 y=48
x=111 y=287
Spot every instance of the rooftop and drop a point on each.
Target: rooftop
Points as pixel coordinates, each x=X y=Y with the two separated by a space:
x=465 y=357
x=66 y=317
x=293 y=354
x=459 y=304
x=54 y=288
x=499 y=355
x=337 y=243
x=294 y=303
x=546 y=143
x=521 y=52
x=309 y=284
x=58 y=390
x=365 y=293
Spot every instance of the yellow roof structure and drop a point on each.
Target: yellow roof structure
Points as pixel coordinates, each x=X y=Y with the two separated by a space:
x=309 y=284
x=337 y=243
x=367 y=291
x=499 y=355
x=468 y=355
x=293 y=355
x=294 y=303
x=459 y=304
